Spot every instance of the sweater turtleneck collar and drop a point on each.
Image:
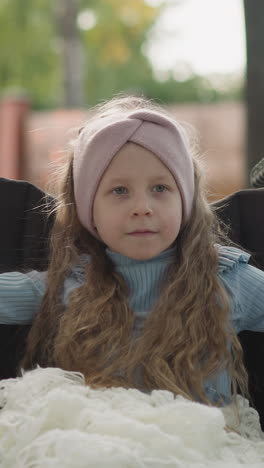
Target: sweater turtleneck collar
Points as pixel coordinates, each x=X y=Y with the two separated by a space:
x=120 y=260
x=143 y=277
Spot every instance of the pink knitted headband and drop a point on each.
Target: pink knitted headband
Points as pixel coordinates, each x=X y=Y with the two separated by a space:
x=95 y=150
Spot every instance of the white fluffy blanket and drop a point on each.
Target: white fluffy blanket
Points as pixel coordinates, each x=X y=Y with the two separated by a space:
x=50 y=419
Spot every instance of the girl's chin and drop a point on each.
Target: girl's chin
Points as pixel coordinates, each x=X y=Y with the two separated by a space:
x=141 y=254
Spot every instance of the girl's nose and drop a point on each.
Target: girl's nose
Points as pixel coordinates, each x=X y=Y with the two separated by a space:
x=142 y=207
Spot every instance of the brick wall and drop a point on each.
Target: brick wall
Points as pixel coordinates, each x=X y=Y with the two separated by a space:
x=220 y=129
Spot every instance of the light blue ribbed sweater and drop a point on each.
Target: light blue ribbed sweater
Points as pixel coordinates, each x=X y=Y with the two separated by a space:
x=21 y=294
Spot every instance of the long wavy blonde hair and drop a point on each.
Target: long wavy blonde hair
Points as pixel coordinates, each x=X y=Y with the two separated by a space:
x=186 y=337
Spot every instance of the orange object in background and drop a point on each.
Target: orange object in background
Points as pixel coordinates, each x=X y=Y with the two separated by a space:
x=13 y=113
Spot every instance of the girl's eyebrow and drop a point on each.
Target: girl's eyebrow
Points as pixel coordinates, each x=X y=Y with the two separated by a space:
x=116 y=180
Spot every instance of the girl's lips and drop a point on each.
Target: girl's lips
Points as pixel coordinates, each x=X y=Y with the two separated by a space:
x=141 y=233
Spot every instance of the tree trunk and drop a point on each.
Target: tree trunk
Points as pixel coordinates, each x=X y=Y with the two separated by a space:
x=254 y=19
x=72 y=53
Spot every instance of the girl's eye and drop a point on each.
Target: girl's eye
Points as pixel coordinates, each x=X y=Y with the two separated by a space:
x=119 y=190
x=160 y=188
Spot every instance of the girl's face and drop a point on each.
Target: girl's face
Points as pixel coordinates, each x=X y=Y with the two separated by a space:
x=137 y=208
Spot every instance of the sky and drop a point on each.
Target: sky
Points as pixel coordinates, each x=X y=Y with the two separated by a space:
x=203 y=36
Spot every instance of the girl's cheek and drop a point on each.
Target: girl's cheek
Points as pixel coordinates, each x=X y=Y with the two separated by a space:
x=173 y=225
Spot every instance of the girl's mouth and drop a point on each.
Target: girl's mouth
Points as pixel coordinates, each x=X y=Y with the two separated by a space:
x=142 y=233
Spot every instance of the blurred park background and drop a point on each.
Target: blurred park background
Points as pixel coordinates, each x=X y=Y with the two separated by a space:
x=202 y=59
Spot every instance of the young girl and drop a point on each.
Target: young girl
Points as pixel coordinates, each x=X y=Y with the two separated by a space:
x=139 y=292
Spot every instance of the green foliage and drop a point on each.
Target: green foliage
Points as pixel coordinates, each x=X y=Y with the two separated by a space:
x=194 y=89
x=30 y=53
x=28 y=57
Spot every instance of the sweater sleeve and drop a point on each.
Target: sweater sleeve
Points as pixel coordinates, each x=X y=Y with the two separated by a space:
x=249 y=293
x=245 y=285
x=20 y=296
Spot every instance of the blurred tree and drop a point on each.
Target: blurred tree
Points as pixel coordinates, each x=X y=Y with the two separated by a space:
x=72 y=54
x=42 y=52
x=78 y=52
x=28 y=53
x=114 y=47
x=254 y=18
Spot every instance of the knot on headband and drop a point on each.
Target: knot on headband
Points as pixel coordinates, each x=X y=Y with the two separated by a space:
x=96 y=147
